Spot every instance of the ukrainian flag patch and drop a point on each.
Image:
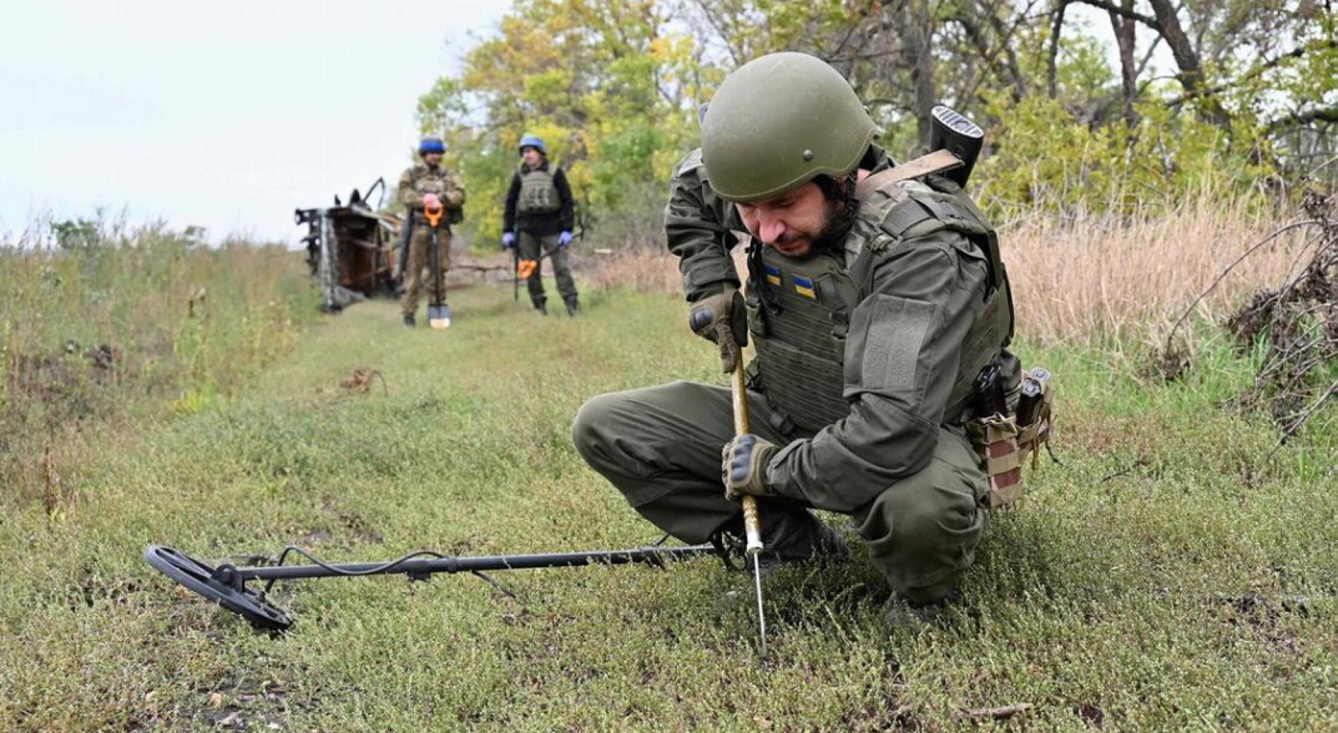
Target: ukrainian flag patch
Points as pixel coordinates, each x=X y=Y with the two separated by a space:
x=773 y=275
x=804 y=287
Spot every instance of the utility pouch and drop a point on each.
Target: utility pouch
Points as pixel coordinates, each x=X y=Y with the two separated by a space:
x=1034 y=413
x=1004 y=442
x=995 y=439
x=994 y=435
x=757 y=319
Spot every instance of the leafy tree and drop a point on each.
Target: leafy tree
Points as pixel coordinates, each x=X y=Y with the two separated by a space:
x=613 y=86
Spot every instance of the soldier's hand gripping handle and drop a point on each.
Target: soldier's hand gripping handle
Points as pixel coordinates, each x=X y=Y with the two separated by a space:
x=433 y=215
x=722 y=319
x=743 y=466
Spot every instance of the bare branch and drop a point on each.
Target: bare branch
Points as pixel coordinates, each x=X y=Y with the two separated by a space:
x=1146 y=20
x=1296 y=119
x=1052 y=64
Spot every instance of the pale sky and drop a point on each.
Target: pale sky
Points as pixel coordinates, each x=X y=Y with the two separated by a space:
x=226 y=115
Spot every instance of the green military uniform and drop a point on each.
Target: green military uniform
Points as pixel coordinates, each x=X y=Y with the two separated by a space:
x=866 y=353
x=539 y=207
x=415 y=182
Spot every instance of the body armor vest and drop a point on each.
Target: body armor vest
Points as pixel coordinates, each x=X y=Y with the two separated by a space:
x=538 y=194
x=799 y=310
x=433 y=180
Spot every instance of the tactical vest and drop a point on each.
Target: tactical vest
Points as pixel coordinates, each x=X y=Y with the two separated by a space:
x=799 y=310
x=428 y=180
x=538 y=194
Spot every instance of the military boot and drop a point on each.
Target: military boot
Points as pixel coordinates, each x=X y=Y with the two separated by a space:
x=409 y=320
x=901 y=611
x=572 y=305
x=794 y=537
x=541 y=305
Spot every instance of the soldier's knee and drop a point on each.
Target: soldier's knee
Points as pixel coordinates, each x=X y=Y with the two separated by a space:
x=926 y=512
x=589 y=429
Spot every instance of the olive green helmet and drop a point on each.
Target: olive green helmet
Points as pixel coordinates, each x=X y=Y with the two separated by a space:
x=779 y=121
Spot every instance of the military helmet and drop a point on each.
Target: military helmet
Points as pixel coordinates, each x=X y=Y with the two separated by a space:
x=431 y=145
x=532 y=141
x=779 y=121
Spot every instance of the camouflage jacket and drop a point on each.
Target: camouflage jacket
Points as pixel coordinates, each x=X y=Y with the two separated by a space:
x=421 y=179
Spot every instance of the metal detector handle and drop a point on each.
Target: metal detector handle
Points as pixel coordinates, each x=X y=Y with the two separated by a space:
x=752 y=523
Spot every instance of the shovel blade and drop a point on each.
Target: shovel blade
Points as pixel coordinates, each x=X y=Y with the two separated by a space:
x=439 y=316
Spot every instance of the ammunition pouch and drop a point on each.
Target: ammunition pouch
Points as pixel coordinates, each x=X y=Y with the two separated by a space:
x=995 y=441
x=1004 y=446
x=1036 y=433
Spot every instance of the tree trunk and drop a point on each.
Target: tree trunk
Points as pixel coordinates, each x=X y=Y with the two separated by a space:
x=1124 y=37
x=917 y=32
x=1053 y=62
x=1187 y=59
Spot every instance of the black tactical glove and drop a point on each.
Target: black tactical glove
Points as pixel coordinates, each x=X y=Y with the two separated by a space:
x=722 y=319
x=743 y=467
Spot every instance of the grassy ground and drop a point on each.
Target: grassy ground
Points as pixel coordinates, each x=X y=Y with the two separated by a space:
x=1171 y=575
x=128 y=327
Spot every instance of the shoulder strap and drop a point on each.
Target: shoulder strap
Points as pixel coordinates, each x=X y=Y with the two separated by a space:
x=935 y=162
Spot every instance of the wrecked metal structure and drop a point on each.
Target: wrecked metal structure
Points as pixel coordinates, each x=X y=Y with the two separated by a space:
x=351 y=248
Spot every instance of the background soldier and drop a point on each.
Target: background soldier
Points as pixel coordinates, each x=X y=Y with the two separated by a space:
x=539 y=207
x=428 y=184
x=871 y=315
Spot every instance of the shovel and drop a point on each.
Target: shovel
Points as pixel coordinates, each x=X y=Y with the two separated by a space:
x=438 y=313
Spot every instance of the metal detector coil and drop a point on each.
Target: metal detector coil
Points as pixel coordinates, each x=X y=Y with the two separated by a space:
x=221 y=585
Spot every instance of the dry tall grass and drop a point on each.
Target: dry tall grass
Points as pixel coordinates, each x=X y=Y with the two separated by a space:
x=121 y=326
x=1093 y=279
x=1089 y=280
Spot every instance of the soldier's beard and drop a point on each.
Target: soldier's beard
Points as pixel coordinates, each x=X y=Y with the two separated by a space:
x=828 y=237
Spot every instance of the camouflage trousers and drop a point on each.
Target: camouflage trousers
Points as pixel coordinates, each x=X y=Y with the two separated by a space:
x=532 y=247
x=420 y=253
x=660 y=446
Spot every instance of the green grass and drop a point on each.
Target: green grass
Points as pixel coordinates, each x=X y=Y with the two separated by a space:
x=124 y=329
x=1166 y=577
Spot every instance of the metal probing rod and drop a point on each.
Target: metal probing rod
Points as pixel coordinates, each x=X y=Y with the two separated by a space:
x=752 y=524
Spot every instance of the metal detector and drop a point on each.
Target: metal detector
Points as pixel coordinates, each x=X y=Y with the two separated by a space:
x=438 y=313
x=226 y=586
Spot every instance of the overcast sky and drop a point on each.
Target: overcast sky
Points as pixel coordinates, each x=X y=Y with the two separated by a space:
x=226 y=115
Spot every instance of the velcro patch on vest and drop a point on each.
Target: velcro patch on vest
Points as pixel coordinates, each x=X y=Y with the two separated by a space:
x=773 y=275
x=804 y=287
x=897 y=328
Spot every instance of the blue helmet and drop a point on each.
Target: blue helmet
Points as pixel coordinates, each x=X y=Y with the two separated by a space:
x=530 y=141
x=431 y=145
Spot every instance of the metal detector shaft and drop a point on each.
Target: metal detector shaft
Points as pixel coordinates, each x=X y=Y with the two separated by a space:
x=226 y=586
x=422 y=567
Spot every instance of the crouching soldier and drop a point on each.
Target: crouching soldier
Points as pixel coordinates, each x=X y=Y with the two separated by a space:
x=872 y=310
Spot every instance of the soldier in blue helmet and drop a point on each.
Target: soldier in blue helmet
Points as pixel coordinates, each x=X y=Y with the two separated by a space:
x=427 y=185
x=539 y=218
